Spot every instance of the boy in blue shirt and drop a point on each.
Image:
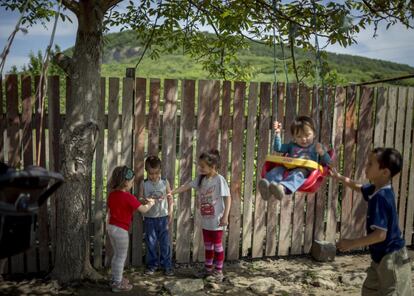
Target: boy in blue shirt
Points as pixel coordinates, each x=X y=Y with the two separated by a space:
x=390 y=270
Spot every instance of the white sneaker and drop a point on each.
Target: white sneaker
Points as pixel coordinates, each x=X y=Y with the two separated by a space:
x=264 y=188
x=277 y=190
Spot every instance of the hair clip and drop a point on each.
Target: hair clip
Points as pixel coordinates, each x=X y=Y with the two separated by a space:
x=129 y=174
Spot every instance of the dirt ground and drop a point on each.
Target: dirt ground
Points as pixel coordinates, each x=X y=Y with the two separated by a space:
x=287 y=276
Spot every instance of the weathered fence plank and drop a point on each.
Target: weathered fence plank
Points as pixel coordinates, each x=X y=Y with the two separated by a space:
x=380 y=118
x=207 y=138
x=259 y=227
x=349 y=140
x=286 y=205
x=391 y=116
x=139 y=147
x=236 y=170
x=184 y=221
x=272 y=215
x=27 y=112
x=364 y=140
x=225 y=127
x=405 y=177
x=249 y=169
x=399 y=136
x=169 y=133
x=310 y=197
x=126 y=134
x=14 y=144
x=112 y=144
x=299 y=198
x=408 y=235
x=154 y=117
x=43 y=217
x=169 y=136
x=337 y=137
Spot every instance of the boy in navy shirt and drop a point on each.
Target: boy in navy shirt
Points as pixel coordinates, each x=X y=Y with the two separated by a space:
x=390 y=270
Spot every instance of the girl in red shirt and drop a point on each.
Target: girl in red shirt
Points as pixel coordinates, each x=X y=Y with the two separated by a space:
x=121 y=207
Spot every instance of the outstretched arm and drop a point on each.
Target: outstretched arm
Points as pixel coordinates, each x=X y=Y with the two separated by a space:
x=181 y=189
x=345 y=180
x=145 y=208
x=377 y=236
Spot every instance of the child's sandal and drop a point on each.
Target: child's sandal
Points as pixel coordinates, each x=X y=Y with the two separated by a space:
x=123 y=286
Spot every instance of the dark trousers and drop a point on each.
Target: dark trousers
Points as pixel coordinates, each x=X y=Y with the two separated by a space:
x=156 y=234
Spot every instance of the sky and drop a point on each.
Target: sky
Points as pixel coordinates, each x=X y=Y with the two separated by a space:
x=395 y=44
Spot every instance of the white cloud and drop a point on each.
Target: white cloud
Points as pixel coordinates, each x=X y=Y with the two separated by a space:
x=395 y=44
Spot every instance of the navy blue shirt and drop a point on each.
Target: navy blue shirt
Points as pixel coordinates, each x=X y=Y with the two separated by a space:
x=382 y=214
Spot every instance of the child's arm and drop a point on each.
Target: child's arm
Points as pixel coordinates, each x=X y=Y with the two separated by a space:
x=324 y=157
x=345 y=180
x=141 y=196
x=145 y=208
x=277 y=142
x=170 y=202
x=224 y=220
x=181 y=189
x=377 y=236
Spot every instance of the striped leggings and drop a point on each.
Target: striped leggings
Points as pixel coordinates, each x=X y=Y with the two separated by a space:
x=214 y=253
x=120 y=241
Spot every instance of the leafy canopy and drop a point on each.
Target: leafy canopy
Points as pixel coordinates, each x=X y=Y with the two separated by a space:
x=171 y=25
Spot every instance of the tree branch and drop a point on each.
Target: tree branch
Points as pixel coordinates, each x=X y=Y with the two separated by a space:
x=71 y=5
x=64 y=62
x=109 y=4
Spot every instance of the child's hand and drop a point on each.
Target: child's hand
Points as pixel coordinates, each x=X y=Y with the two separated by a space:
x=344 y=245
x=277 y=127
x=334 y=173
x=224 y=221
x=319 y=149
x=150 y=202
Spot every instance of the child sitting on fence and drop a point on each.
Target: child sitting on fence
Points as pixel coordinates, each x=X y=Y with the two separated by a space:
x=121 y=206
x=390 y=270
x=302 y=146
x=214 y=202
x=158 y=218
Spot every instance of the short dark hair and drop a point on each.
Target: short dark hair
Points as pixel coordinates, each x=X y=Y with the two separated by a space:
x=299 y=124
x=389 y=158
x=152 y=162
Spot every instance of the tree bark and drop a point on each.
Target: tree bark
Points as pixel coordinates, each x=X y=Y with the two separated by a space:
x=78 y=140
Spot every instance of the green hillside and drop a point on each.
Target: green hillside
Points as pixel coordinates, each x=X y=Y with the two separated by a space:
x=122 y=50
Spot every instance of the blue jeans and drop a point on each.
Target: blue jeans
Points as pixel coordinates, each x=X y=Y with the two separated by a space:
x=156 y=232
x=293 y=180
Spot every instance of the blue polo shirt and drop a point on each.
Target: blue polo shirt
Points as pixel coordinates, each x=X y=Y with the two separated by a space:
x=382 y=214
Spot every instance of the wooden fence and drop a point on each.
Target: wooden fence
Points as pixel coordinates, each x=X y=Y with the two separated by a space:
x=178 y=119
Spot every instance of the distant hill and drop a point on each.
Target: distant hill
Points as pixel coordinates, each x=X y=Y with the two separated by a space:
x=122 y=50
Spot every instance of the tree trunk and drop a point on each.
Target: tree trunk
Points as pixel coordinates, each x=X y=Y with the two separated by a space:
x=78 y=139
